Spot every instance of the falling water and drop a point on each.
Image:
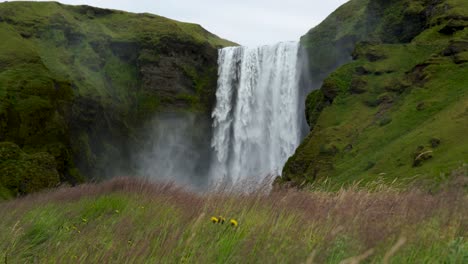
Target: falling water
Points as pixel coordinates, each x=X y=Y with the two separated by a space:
x=255 y=121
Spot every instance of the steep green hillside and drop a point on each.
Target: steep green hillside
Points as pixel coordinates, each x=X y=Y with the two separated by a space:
x=77 y=82
x=399 y=108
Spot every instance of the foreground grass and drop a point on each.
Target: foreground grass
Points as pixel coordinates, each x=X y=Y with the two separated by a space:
x=133 y=221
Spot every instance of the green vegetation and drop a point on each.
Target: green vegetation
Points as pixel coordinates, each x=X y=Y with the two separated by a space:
x=377 y=117
x=135 y=221
x=78 y=82
x=21 y=173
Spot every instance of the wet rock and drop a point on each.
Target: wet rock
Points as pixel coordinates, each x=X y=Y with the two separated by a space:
x=368 y=51
x=421 y=155
x=453 y=26
x=385 y=121
x=418 y=75
x=435 y=142
x=315 y=103
x=92 y=12
x=455 y=47
x=397 y=86
x=26 y=35
x=386 y=98
x=362 y=70
x=358 y=86
x=348 y=148
x=461 y=58
x=331 y=150
x=330 y=90
x=421 y=106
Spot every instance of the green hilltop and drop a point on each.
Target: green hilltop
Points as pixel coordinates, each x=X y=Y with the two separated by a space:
x=396 y=107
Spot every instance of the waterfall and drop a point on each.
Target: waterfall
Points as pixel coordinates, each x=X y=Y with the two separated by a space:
x=256 y=124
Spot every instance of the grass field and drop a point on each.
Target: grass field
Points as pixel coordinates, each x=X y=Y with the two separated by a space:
x=134 y=221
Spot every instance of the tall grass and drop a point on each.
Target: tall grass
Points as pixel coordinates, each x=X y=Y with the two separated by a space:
x=135 y=221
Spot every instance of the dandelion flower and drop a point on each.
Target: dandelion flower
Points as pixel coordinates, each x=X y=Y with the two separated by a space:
x=234 y=223
x=222 y=220
x=215 y=220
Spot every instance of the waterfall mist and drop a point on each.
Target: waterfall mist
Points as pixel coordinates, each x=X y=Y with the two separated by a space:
x=177 y=149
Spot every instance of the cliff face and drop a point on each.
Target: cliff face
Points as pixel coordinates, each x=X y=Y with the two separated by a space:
x=77 y=83
x=392 y=103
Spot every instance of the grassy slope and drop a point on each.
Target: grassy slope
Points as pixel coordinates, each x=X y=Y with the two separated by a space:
x=372 y=114
x=133 y=221
x=63 y=68
x=53 y=21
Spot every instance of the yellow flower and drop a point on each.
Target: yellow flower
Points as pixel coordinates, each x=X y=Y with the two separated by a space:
x=222 y=220
x=234 y=223
x=214 y=220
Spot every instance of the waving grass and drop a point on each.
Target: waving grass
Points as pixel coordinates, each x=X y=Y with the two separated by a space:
x=134 y=221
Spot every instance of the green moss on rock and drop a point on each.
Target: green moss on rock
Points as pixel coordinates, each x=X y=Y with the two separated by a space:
x=22 y=173
x=69 y=73
x=314 y=105
x=405 y=86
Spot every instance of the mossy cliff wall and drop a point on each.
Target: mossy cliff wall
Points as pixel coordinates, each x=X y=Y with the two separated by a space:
x=78 y=82
x=392 y=103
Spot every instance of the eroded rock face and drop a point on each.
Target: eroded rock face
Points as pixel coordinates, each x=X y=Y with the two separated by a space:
x=177 y=70
x=83 y=93
x=454 y=25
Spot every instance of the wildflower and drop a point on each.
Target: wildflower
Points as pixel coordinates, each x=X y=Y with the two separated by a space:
x=117 y=211
x=222 y=220
x=234 y=223
x=215 y=220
